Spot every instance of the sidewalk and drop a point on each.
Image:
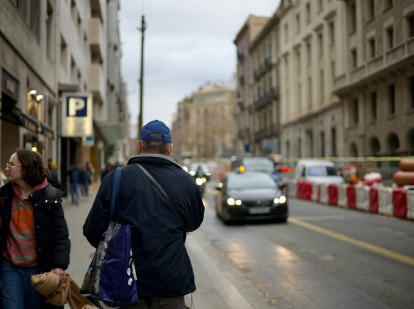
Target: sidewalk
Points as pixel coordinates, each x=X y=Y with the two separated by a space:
x=214 y=288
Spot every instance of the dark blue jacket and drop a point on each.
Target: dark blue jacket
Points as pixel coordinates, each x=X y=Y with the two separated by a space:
x=161 y=260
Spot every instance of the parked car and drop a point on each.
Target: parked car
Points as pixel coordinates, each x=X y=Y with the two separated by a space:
x=318 y=171
x=256 y=164
x=250 y=196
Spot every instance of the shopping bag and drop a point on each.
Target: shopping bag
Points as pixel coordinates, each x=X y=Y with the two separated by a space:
x=111 y=278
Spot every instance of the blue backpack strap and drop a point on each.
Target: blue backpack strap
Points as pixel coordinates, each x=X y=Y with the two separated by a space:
x=116 y=183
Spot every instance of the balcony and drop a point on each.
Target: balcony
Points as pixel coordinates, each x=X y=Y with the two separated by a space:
x=266 y=99
x=97 y=82
x=394 y=54
x=96 y=39
x=269 y=131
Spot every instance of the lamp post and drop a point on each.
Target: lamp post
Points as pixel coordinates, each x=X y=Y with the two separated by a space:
x=141 y=79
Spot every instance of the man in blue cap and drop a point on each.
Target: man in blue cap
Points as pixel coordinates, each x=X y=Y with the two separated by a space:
x=158 y=227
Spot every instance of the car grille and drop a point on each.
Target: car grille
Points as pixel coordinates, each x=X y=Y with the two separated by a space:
x=258 y=203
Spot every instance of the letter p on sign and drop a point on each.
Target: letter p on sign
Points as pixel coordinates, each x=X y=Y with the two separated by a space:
x=76 y=107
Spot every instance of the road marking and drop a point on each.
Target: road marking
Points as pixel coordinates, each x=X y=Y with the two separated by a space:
x=359 y=243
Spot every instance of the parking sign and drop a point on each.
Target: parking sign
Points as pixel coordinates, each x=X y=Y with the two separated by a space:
x=77 y=115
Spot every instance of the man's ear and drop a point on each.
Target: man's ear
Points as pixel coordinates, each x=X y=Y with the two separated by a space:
x=139 y=146
x=170 y=149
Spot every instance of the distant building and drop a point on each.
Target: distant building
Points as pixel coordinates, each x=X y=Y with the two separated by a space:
x=203 y=126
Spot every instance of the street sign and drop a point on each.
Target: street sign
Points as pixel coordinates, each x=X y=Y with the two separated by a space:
x=77 y=118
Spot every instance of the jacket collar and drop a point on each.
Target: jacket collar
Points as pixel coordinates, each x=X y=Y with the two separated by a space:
x=151 y=156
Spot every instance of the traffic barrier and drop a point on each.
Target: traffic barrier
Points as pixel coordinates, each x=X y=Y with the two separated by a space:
x=399 y=201
x=318 y=193
x=315 y=190
x=307 y=187
x=410 y=204
x=342 y=196
x=385 y=205
x=292 y=188
x=299 y=188
x=333 y=195
x=324 y=197
x=362 y=197
x=350 y=193
x=373 y=199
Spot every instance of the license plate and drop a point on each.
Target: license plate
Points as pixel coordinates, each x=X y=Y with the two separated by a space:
x=259 y=210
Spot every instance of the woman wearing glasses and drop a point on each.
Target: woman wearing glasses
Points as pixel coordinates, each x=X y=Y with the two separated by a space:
x=34 y=236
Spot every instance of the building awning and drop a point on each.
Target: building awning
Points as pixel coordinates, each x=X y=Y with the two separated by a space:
x=111 y=130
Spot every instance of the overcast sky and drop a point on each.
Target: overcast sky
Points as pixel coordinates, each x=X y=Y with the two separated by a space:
x=187 y=43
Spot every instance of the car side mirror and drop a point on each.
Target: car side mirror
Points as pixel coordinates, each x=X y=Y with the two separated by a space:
x=219 y=188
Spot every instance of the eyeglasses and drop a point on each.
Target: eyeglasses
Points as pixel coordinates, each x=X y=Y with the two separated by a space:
x=10 y=166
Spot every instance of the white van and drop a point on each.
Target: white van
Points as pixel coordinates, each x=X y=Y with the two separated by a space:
x=317 y=171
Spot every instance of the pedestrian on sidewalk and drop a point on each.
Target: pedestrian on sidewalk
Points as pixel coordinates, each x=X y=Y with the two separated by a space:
x=33 y=231
x=75 y=178
x=163 y=267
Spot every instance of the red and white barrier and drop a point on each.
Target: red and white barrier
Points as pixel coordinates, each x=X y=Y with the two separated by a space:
x=410 y=204
x=362 y=197
x=324 y=197
x=315 y=190
x=333 y=194
x=350 y=194
x=342 y=196
x=385 y=205
x=373 y=199
x=399 y=201
x=292 y=184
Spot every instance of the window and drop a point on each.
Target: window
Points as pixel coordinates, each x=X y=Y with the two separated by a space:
x=320 y=5
x=389 y=37
x=391 y=99
x=387 y=4
x=299 y=147
x=308 y=13
x=373 y=104
x=410 y=21
x=333 y=141
x=370 y=9
x=49 y=31
x=411 y=102
x=35 y=16
x=286 y=32
x=320 y=42
x=308 y=53
x=354 y=112
x=354 y=59
x=297 y=23
x=63 y=53
x=322 y=84
x=309 y=93
x=322 y=144
x=352 y=18
x=331 y=32
x=371 y=48
x=333 y=69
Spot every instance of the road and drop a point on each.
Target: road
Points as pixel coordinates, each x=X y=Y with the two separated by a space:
x=323 y=257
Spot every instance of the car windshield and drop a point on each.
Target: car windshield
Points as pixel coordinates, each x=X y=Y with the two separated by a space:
x=250 y=181
x=260 y=165
x=322 y=171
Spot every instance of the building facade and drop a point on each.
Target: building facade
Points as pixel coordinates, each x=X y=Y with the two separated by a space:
x=50 y=49
x=345 y=75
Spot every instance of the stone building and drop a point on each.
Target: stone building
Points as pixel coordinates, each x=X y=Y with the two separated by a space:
x=243 y=113
x=203 y=127
x=345 y=76
x=377 y=87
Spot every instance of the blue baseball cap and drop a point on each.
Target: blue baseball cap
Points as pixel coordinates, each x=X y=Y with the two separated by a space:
x=155 y=126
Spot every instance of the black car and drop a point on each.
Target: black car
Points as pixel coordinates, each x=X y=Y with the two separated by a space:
x=250 y=196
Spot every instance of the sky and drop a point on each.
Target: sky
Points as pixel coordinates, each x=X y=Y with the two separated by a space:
x=187 y=43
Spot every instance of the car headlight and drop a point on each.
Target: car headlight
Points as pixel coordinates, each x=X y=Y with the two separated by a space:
x=231 y=201
x=199 y=181
x=280 y=200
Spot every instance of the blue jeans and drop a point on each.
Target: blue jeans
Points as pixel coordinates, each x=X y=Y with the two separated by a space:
x=16 y=288
x=74 y=191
